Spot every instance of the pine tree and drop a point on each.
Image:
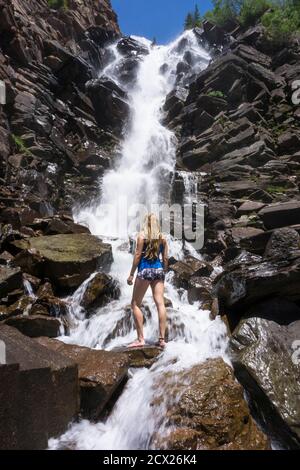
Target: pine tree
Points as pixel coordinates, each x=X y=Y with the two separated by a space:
x=189 y=21
x=197 y=17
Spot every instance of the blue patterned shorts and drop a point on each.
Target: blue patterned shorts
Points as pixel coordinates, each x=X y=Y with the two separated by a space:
x=151 y=274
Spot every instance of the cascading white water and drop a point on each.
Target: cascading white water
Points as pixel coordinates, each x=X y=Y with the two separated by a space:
x=147 y=163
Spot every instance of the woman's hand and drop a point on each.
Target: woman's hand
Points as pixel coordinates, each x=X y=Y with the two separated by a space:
x=130 y=280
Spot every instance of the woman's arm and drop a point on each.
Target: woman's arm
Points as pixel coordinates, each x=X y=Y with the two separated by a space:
x=166 y=256
x=136 y=258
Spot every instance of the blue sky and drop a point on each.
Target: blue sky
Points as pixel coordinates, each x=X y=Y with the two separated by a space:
x=162 y=19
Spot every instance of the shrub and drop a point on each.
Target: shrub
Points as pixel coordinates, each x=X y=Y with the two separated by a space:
x=193 y=20
x=282 y=23
x=224 y=11
x=216 y=93
x=252 y=10
x=56 y=4
x=21 y=146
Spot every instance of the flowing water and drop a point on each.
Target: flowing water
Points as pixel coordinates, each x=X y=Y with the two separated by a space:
x=143 y=174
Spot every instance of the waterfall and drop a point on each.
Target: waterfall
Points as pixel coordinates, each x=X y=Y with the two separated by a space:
x=143 y=174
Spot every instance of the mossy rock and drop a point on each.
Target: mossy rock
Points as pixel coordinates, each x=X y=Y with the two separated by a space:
x=67 y=260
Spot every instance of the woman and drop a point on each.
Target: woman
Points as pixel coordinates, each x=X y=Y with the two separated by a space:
x=151 y=260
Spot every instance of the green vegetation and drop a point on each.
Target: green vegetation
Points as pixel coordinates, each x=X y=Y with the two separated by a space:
x=193 y=19
x=252 y=10
x=224 y=11
x=56 y=4
x=272 y=189
x=20 y=144
x=281 y=18
x=282 y=23
x=216 y=94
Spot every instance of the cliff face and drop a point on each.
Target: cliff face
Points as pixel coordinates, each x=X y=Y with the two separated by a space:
x=239 y=130
x=50 y=139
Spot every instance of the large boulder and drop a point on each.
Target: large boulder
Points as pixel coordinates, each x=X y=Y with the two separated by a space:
x=39 y=393
x=101 y=374
x=206 y=409
x=67 y=260
x=264 y=355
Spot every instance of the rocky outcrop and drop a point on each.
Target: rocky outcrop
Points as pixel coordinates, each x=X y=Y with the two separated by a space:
x=49 y=129
x=238 y=131
x=102 y=374
x=211 y=412
x=39 y=393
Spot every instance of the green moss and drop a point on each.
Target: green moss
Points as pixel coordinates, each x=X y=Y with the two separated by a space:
x=216 y=94
x=21 y=146
x=56 y=4
x=271 y=189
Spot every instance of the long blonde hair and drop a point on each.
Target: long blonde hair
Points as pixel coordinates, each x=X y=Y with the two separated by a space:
x=152 y=233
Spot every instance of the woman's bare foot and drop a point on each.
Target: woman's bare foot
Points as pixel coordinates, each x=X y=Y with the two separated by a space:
x=161 y=343
x=139 y=343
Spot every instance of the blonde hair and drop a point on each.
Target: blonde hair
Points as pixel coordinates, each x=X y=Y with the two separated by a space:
x=152 y=233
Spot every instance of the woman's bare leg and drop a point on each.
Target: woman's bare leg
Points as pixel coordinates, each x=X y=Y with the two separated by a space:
x=139 y=290
x=158 y=296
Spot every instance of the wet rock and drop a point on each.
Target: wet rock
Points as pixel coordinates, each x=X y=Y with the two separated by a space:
x=35 y=325
x=45 y=290
x=200 y=289
x=39 y=393
x=100 y=290
x=141 y=357
x=101 y=374
x=280 y=214
x=189 y=267
x=246 y=285
x=67 y=260
x=262 y=354
x=129 y=46
x=23 y=304
x=206 y=410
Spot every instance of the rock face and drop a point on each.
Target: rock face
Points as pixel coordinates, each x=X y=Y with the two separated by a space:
x=101 y=374
x=49 y=128
x=266 y=363
x=39 y=393
x=65 y=259
x=211 y=412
